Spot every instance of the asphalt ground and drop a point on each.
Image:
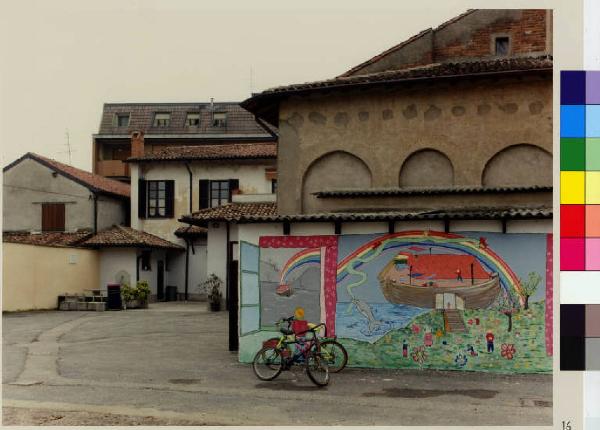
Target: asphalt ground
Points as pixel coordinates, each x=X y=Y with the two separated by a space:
x=169 y=365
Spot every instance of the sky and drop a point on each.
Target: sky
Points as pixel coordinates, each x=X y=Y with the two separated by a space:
x=62 y=59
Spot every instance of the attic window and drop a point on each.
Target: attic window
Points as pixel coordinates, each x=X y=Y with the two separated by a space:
x=502 y=45
x=122 y=119
x=220 y=119
x=162 y=119
x=192 y=119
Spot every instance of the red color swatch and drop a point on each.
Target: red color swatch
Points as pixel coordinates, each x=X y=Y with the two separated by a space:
x=572 y=220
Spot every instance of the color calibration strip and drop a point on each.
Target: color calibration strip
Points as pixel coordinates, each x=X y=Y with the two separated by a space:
x=579 y=337
x=580 y=171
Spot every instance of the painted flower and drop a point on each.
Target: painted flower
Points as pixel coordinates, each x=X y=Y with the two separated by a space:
x=508 y=351
x=439 y=333
x=419 y=355
x=416 y=329
x=461 y=360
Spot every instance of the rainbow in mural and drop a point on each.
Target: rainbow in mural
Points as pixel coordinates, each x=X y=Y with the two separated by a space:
x=303 y=259
x=476 y=248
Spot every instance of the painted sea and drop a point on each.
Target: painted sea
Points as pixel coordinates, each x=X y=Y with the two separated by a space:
x=350 y=323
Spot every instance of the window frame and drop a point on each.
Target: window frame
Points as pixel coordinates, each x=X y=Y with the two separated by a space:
x=47 y=208
x=219 y=122
x=155 y=120
x=156 y=198
x=494 y=44
x=120 y=115
x=187 y=117
x=274 y=186
x=222 y=200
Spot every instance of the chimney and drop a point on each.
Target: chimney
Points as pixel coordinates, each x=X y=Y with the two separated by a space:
x=137 y=144
x=212 y=104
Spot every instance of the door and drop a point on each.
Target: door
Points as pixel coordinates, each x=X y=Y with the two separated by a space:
x=160 y=280
x=439 y=301
x=460 y=303
x=249 y=288
x=233 y=307
x=449 y=301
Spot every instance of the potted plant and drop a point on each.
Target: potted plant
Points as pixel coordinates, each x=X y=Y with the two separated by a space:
x=142 y=293
x=137 y=297
x=212 y=287
x=127 y=295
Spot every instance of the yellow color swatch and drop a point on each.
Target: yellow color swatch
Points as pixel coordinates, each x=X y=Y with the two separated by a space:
x=572 y=188
x=592 y=187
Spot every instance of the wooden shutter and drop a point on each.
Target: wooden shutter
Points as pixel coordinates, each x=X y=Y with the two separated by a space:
x=53 y=217
x=142 y=198
x=204 y=193
x=234 y=184
x=169 y=199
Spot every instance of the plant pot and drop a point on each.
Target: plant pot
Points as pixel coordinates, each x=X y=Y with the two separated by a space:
x=215 y=307
x=133 y=304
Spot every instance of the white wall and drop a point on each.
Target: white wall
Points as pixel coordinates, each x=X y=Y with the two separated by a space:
x=216 y=258
x=490 y=226
x=310 y=228
x=110 y=212
x=113 y=261
x=529 y=226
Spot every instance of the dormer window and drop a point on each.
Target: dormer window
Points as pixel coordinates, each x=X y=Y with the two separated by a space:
x=502 y=46
x=122 y=119
x=220 y=119
x=192 y=119
x=162 y=119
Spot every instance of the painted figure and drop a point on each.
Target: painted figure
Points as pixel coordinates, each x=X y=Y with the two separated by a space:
x=489 y=337
x=428 y=338
x=404 y=349
x=459 y=275
x=365 y=310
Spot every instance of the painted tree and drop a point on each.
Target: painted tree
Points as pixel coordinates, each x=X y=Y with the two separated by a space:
x=530 y=286
x=509 y=304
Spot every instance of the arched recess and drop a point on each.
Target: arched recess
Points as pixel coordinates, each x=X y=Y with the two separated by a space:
x=427 y=168
x=334 y=170
x=518 y=165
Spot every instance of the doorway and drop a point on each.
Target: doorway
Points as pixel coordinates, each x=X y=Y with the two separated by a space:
x=160 y=280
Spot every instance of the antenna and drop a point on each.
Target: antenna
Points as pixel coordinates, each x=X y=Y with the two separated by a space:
x=251 y=81
x=69 y=151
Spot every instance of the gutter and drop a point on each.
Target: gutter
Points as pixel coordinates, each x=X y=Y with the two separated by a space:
x=95 y=198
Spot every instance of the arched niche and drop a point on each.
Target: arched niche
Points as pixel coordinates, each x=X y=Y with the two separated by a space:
x=518 y=165
x=427 y=168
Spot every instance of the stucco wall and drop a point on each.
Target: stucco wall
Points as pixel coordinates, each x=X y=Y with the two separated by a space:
x=115 y=262
x=469 y=121
x=111 y=212
x=28 y=184
x=251 y=177
x=34 y=276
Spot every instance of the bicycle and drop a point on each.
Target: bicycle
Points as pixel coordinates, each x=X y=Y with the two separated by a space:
x=275 y=356
x=332 y=351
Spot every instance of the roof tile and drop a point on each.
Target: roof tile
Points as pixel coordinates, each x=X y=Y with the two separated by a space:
x=120 y=236
x=211 y=152
x=54 y=238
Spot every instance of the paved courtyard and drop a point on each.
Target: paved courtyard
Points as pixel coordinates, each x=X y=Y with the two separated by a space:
x=170 y=365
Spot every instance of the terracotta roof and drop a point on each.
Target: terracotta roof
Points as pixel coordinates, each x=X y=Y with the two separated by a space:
x=120 y=236
x=89 y=180
x=430 y=191
x=54 y=238
x=265 y=104
x=191 y=230
x=239 y=151
x=141 y=117
x=267 y=212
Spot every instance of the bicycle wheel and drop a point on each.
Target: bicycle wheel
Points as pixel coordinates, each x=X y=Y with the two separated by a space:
x=317 y=369
x=267 y=363
x=335 y=354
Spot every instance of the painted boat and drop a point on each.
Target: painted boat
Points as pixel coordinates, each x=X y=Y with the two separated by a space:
x=284 y=290
x=418 y=279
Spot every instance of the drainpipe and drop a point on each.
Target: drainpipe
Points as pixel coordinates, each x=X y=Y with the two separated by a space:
x=95 y=198
x=187 y=241
x=228 y=305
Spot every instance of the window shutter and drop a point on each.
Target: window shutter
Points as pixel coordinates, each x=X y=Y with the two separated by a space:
x=249 y=288
x=204 y=194
x=169 y=199
x=142 y=198
x=234 y=184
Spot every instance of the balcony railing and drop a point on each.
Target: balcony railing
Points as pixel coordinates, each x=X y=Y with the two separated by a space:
x=112 y=168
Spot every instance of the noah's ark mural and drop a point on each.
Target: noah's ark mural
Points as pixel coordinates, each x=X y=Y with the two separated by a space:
x=415 y=299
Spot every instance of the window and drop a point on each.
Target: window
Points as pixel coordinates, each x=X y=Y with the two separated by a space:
x=273 y=186
x=53 y=217
x=219 y=119
x=219 y=193
x=162 y=119
x=502 y=45
x=158 y=200
x=122 y=120
x=192 y=119
x=146 y=260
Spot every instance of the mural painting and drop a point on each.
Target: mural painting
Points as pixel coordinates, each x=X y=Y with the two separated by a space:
x=420 y=299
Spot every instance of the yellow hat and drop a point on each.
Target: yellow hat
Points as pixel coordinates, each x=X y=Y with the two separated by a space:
x=299 y=313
